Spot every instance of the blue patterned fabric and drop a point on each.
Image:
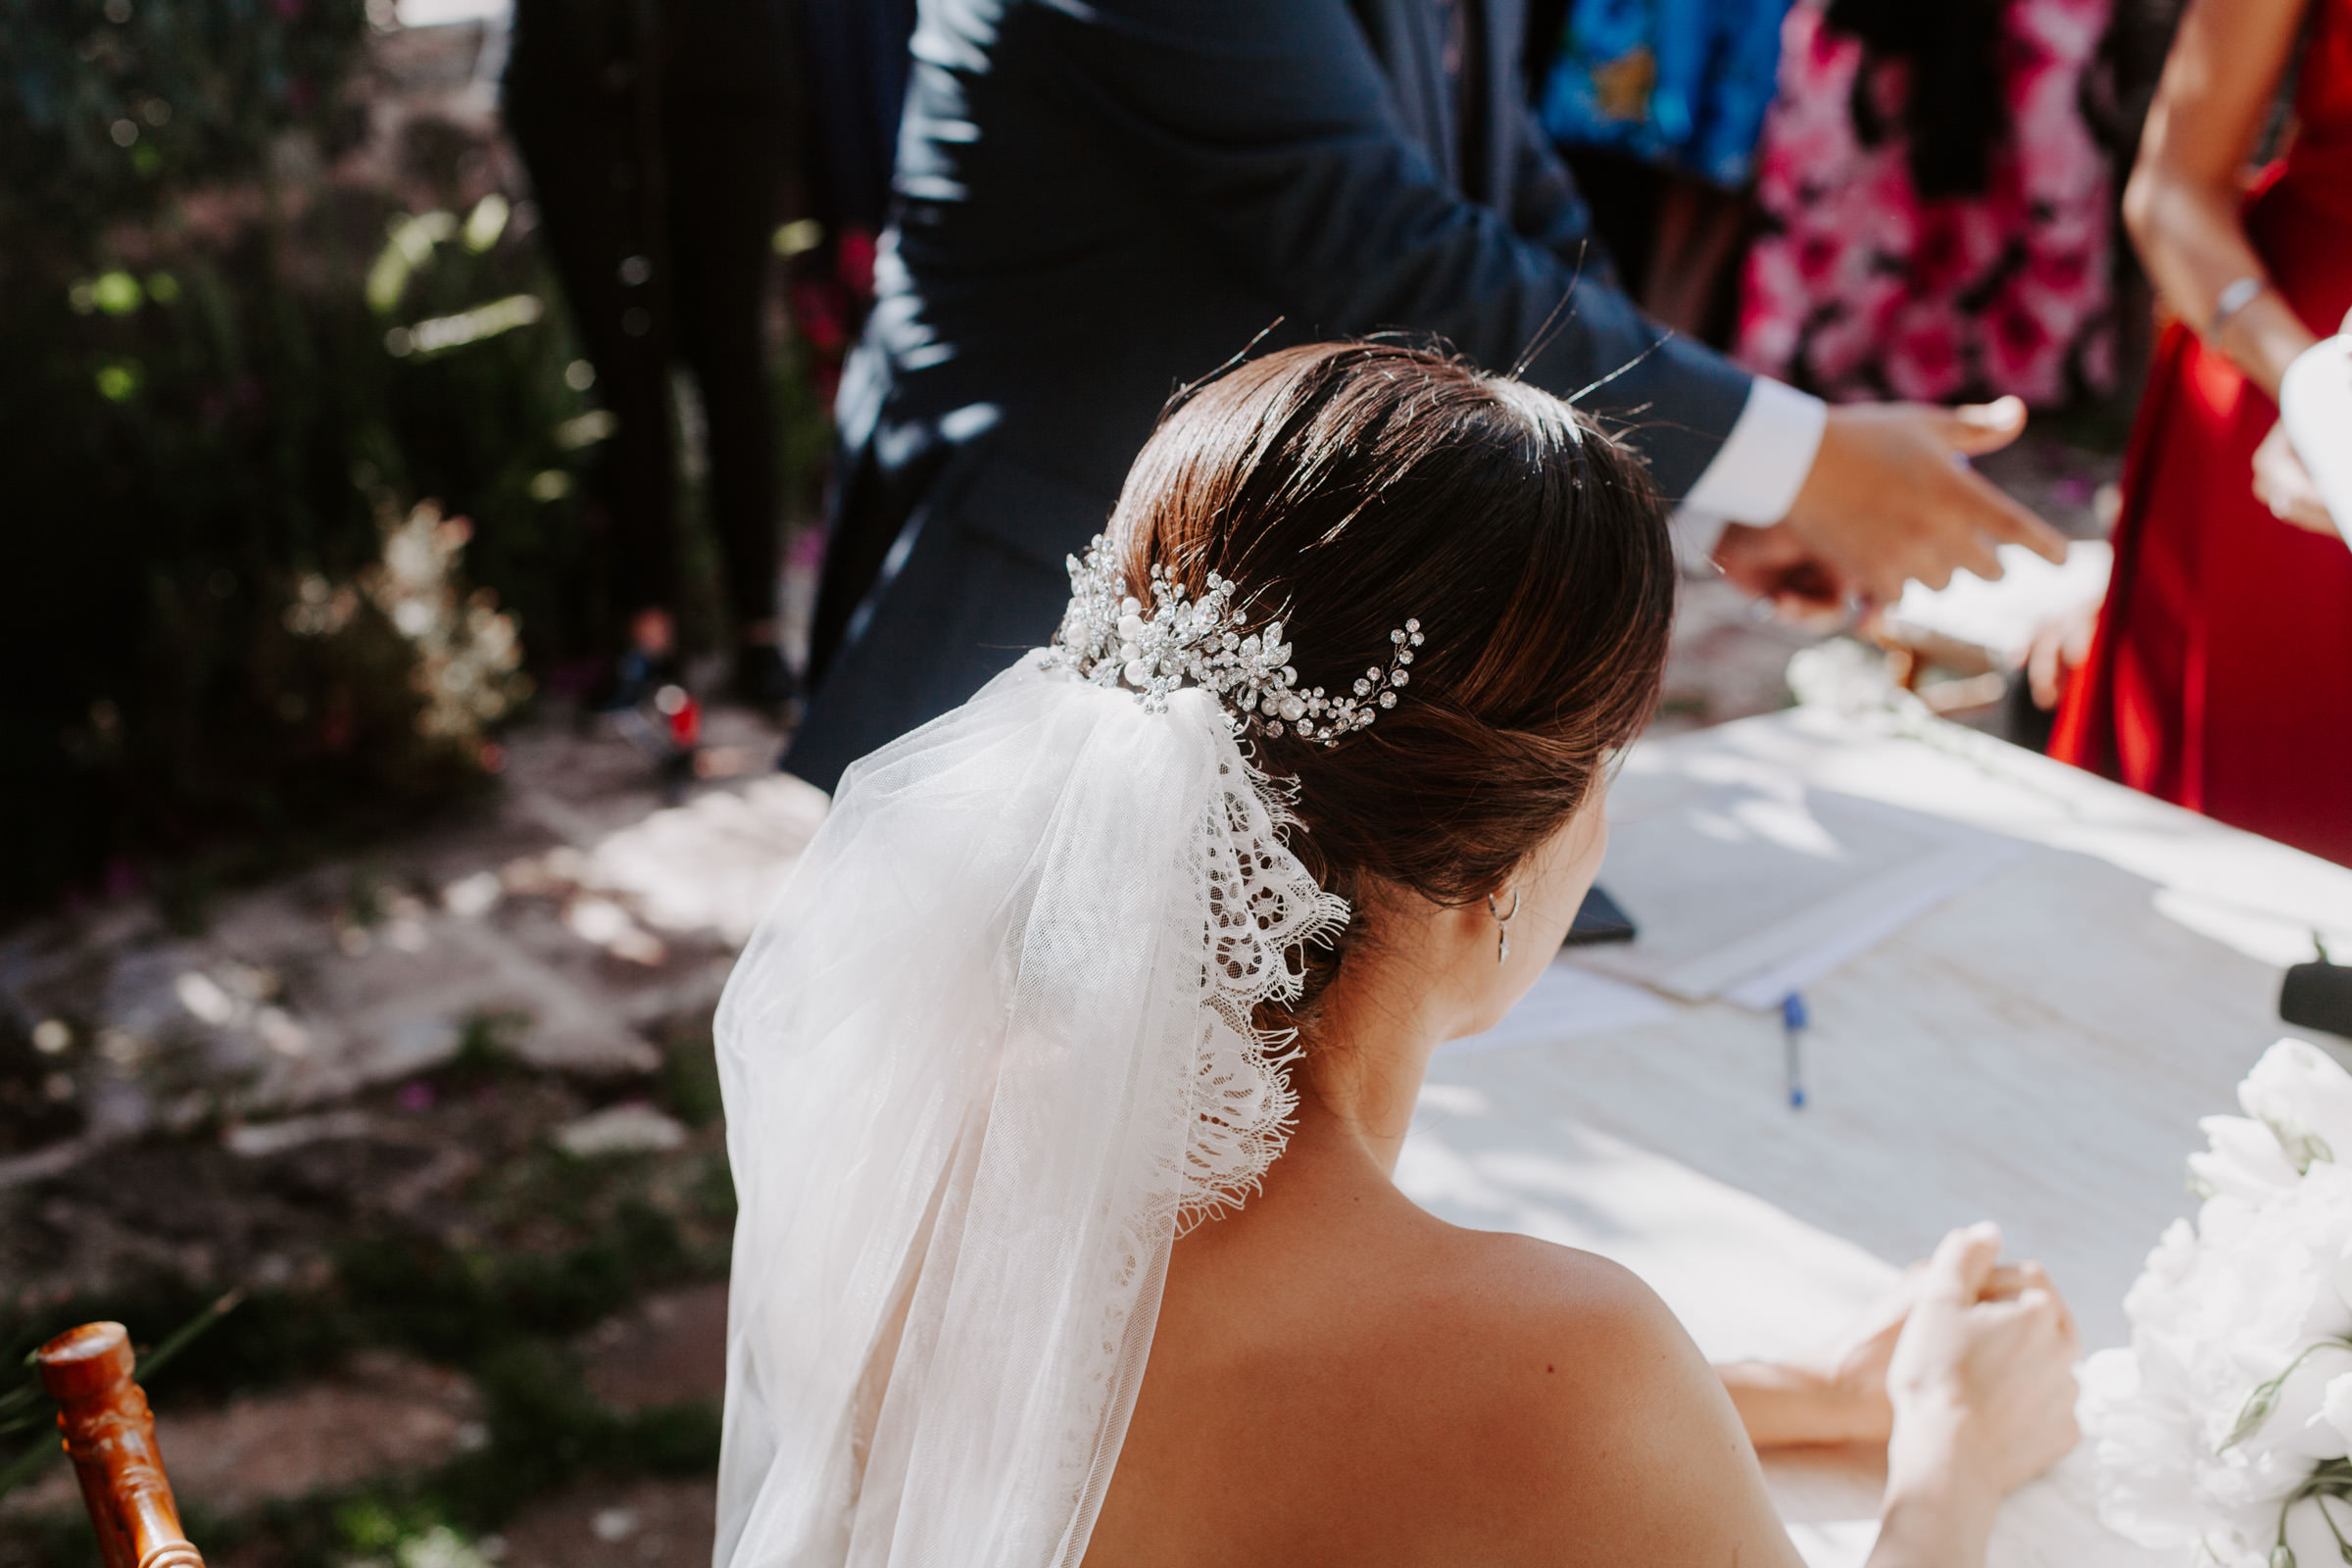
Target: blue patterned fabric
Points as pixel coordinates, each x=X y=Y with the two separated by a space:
x=1679 y=82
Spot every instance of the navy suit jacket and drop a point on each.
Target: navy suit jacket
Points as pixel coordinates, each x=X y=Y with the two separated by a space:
x=1101 y=200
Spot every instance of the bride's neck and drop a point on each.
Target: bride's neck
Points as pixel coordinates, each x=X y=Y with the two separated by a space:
x=1375 y=1032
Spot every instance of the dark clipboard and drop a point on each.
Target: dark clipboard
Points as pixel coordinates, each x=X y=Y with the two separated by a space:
x=1599 y=919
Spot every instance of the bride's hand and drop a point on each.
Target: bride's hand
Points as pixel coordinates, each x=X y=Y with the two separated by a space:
x=1980 y=1383
x=1839 y=1393
x=1852 y=1368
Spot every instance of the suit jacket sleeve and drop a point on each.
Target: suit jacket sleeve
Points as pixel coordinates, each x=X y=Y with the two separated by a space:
x=1272 y=129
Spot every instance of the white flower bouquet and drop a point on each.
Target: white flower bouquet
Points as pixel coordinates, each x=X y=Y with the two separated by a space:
x=2225 y=1432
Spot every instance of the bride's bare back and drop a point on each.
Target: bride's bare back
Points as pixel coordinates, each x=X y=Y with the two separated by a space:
x=1339 y=1377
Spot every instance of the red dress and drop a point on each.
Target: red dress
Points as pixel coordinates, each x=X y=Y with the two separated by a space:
x=2221 y=676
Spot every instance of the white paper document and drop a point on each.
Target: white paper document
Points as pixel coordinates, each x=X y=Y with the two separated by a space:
x=1747 y=884
x=1568 y=1003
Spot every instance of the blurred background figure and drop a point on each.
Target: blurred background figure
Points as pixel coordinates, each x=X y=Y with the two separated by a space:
x=1935 y=210
x=1097 y=207
x=1657 y=104
x=1863 y=199
x=656 y=137
x=2220 y=673
x=853 y=56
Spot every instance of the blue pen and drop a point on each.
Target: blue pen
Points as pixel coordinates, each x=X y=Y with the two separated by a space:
x=1792 y=1031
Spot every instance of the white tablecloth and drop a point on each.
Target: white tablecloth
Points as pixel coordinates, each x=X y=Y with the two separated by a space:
x=2037 y=1049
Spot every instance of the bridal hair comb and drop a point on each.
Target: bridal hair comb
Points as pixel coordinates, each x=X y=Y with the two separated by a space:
x=1109 y=638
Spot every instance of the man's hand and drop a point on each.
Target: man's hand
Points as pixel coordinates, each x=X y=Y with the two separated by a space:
x=1776 y=568
x=1886 y=502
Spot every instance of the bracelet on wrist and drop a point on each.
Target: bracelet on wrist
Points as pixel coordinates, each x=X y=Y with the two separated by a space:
x=2235 y=297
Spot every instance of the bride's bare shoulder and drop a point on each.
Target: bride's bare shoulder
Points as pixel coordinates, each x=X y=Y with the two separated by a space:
x=1550 y=1326
x=1588 y=1412
x=1425 y=1394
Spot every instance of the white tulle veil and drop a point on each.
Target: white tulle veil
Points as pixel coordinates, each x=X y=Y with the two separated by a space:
x=987 y=1055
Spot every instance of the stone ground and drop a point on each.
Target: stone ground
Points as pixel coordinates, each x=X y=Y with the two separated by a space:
x=385 y=1414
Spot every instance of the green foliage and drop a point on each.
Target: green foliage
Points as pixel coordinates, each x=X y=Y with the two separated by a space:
x=112 y=105
x=545 y=1433
x=546 y=1427
x=449 y=1304
x=25 y=1410
x=690 y=1081
x=273 y=1336
x=230 y=360
x=504 y=1314
x=36 y=1104
x=714 y=1190
x=206 y=427
x=551 y=1245
x=542 y=1249
x=485 y=1053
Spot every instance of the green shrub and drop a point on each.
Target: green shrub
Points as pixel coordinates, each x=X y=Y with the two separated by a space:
x=205 y=421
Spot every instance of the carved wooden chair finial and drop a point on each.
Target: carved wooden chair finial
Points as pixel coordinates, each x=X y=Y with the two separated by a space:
x=109 y=1437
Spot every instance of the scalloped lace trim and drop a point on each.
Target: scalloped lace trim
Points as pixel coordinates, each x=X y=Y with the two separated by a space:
x=1264 y=907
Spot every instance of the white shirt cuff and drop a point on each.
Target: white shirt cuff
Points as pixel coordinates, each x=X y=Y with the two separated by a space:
x=1695 y=535
x=1763 y=462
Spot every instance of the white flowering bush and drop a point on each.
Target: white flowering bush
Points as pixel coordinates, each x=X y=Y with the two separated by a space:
x=468 y=656
x=2225 y=1431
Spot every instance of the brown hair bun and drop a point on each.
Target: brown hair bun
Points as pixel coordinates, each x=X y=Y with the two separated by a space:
x=1347 y=487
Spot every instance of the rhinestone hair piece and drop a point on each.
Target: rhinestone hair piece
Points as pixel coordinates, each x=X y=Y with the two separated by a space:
x=1113 y=638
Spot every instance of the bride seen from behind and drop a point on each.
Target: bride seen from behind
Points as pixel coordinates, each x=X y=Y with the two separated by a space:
x=1066 y=1079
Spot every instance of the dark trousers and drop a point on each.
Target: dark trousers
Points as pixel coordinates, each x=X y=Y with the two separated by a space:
x=658 y=199
x=864 y=527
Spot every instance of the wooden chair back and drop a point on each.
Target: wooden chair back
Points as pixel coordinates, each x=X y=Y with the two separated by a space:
x=110 y=1436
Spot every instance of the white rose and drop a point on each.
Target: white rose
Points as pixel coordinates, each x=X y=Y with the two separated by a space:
x=2305 y=1096
x=2317 y=1217
x=2239 y=1383
x=2263 y=1277
x=2259 y=1303
x=2252 y=1292
x=2245 y=1161
x=2298 y=1424
x=2335 y=1408
x=2143 y=1437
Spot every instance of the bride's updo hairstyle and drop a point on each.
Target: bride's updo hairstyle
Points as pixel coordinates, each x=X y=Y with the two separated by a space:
x=1349 y=487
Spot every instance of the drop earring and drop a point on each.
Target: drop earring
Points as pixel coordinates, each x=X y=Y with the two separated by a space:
x=1503 y=926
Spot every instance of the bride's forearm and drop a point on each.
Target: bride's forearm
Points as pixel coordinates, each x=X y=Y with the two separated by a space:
x=1934 y=1521
x=1785 y=1407
x=1930 y=1519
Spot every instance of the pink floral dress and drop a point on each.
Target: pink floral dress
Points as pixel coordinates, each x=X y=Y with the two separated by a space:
x=1860 y=289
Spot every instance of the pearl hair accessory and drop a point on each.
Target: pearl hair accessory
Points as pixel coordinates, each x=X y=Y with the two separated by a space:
x=1108 y=637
